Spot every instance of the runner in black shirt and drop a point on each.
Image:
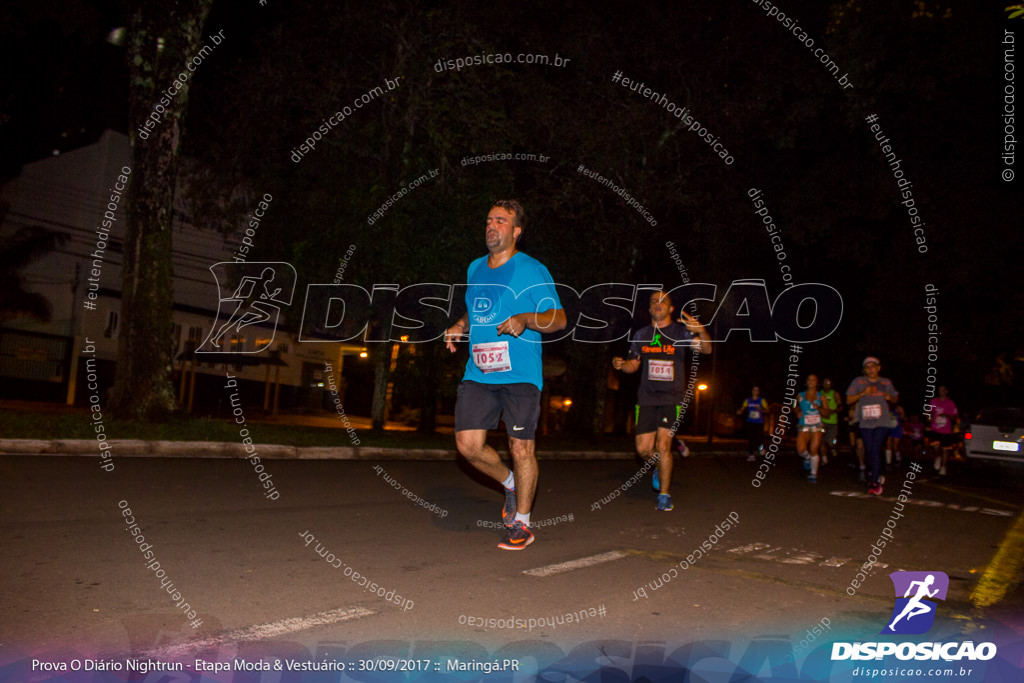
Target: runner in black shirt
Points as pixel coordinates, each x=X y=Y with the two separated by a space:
x=660 y=349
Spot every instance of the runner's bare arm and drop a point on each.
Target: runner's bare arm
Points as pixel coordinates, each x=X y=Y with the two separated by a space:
x=455 y=332
x=627 y=366
x=694 y=326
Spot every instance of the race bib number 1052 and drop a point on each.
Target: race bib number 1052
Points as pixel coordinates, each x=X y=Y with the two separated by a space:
x=492 y=357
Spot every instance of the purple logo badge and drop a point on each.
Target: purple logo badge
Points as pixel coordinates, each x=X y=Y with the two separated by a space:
x=914 y=612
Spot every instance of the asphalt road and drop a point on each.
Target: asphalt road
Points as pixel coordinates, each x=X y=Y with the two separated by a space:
x=284 y=576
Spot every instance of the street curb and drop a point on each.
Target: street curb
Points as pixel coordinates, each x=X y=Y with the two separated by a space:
x=224 y=449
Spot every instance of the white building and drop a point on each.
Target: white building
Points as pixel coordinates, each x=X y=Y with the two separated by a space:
x=72 y=193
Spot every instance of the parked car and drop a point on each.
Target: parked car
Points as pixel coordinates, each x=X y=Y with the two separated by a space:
x=996 y=434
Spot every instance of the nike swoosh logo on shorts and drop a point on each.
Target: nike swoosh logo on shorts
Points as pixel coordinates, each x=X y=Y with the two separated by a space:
x=517 y=429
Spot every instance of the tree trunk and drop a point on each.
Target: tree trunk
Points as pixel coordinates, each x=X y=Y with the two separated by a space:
x=431 y=369
x=381 y=374
x=164 y=37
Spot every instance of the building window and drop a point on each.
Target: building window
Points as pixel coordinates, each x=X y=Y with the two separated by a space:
x=113 y=318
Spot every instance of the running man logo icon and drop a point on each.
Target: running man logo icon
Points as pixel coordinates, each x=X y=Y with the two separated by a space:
x=913 y=614
x=262 y=289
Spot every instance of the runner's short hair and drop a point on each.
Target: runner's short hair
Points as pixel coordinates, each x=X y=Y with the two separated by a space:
x=664 y=295
x=515 y=207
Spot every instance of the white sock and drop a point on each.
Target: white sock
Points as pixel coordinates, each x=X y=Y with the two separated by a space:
x=805 y=455
x=888 y=457
x=510 y=481
x=814 y=465
x=525 y=519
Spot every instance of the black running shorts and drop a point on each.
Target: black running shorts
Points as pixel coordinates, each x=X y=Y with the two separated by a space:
x=944 y=440
x=479 y=406
x=652 y=418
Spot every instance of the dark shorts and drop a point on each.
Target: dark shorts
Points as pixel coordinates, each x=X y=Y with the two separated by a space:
x=831 y=430
x=651 y=418
x=480 y=406
x=945 y=440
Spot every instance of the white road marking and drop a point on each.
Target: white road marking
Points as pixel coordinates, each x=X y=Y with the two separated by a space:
x=256 y=633
x=571 y=565
x=783 y=555
x=929 y=503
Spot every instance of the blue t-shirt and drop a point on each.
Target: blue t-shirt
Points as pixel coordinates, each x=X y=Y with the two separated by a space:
x=810 y=414
x=520 y=285
x=755 y=410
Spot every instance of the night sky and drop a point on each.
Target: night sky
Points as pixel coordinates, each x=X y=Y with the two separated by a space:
x=796 y=135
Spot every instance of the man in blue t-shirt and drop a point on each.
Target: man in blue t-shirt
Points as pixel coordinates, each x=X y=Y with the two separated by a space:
x=510 y=300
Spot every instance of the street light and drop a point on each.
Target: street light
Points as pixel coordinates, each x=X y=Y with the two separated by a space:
x=711 y=413
x=696 y=418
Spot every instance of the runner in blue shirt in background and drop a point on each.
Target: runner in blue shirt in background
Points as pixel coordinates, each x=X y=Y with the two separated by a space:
x=811 y=407
x=755 y=407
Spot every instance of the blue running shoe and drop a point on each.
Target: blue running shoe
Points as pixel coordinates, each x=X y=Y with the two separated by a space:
x=807 y=463
x=664 y=503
